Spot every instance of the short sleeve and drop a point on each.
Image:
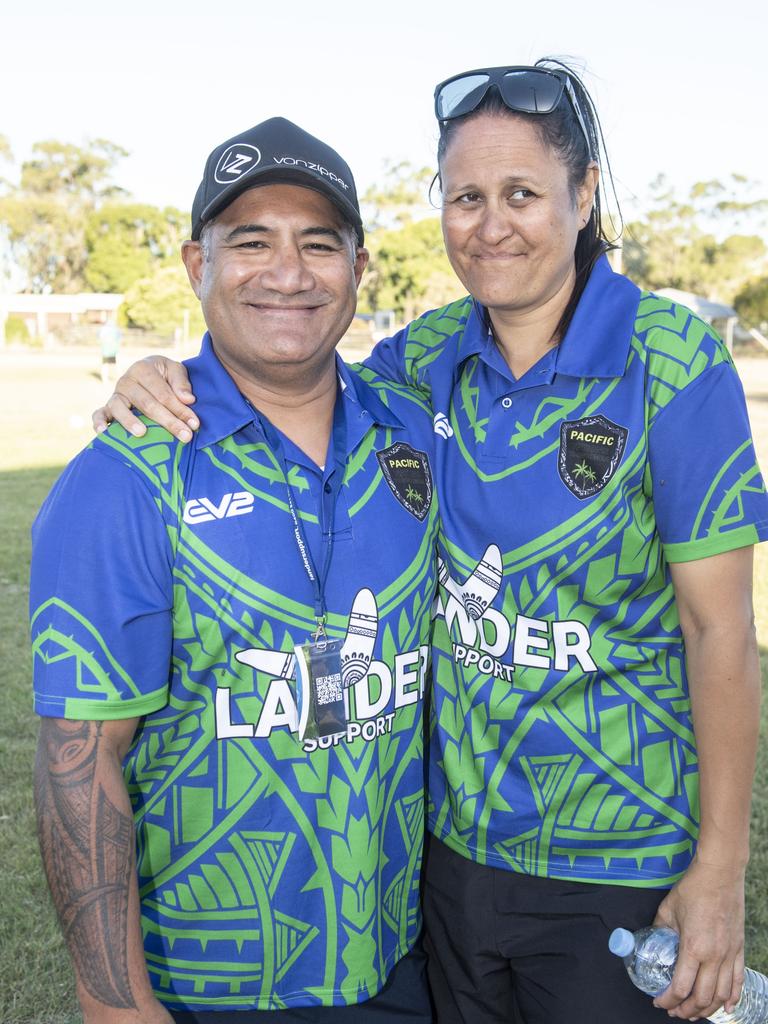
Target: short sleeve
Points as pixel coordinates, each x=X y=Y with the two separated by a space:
x=709 y=495
x=101 y=594
x=388 y=359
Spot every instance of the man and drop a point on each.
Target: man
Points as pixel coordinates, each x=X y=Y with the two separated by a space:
x=231 y=643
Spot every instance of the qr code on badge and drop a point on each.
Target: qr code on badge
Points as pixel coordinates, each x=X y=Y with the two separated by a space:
x=328 y=688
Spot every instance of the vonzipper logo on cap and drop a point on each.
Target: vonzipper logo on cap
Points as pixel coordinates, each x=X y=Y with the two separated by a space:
x=234 y=161
x=297 y=161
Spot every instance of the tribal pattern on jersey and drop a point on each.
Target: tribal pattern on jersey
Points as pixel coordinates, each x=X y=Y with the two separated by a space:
x=272 y=873
x=562 y=740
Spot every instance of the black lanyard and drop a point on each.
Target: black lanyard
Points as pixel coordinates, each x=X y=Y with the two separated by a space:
x=332 y=487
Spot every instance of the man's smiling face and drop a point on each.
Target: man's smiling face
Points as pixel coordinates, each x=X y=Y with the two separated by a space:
x=277 y=274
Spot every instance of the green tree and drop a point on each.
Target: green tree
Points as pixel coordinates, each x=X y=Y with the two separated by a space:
x=401 y=197
x=751 y=303
x=81 y=173
x=733 y=261
x=125 y=241
x=46 y=242
x=687 y=244
x=409 y=270
x=45 y=214
x=161 y=301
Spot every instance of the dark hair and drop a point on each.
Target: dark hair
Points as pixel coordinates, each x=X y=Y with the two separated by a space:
x=561 y=131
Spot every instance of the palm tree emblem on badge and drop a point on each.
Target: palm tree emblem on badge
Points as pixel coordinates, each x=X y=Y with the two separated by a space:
x=409 y=477
x=585 y=472
x=590 y=452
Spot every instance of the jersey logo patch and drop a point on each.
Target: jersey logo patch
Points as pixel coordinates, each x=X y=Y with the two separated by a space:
x=442 y=426
x=590 y=451
x=204 y=510
x=407 y=472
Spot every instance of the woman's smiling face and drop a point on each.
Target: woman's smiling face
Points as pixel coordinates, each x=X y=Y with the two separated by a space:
x=510 y=215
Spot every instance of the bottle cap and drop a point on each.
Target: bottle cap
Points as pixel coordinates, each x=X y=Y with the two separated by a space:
x=621 y=942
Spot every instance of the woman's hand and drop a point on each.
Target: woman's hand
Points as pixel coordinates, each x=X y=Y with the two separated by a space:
x=706 y=908
x=159 y=388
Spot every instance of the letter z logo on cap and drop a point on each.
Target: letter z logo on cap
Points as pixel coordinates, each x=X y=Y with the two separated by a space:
x=234 y=161
x=407 y=472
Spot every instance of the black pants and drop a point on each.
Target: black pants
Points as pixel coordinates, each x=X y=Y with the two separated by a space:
x=506 y=948
x=405 y=997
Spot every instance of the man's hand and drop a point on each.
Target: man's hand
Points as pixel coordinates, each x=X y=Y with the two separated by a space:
x=706 y=908
x=159 y=388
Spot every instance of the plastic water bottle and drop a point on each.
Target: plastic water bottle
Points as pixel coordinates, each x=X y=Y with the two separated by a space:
x=650 y=955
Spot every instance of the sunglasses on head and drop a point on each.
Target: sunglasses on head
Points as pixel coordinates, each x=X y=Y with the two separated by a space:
x=526 y=90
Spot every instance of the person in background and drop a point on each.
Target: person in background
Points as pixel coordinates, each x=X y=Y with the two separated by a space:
x=110 y=337
x=231 y=644
x=596 y=678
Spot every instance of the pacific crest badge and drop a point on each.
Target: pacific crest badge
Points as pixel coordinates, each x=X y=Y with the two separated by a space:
x=590 y=452
x=407 y=472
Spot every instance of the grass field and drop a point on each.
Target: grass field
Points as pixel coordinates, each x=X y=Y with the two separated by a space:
x=45 y=401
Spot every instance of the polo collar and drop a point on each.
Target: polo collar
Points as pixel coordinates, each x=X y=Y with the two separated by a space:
x=597 y=341
x=225 y=410
x=476 y=337
x=364 y=395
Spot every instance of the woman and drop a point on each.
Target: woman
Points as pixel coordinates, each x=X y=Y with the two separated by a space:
x=600 y=501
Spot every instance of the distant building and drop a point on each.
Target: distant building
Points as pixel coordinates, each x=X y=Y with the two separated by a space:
x=45 y=314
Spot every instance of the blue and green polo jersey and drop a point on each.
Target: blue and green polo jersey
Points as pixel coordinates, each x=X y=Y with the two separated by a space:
x=562 y=742
x=167 y=584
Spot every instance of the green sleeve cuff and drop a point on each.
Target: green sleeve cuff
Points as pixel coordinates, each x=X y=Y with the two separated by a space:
x=80 y=708
x=691 y=550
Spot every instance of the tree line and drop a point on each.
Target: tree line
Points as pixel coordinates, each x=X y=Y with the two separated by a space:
x=711 y=242
x=66 y=226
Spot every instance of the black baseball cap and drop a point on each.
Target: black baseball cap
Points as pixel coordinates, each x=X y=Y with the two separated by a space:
x=275 y=151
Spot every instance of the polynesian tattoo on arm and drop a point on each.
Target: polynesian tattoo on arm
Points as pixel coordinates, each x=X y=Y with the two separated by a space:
x=87 y=844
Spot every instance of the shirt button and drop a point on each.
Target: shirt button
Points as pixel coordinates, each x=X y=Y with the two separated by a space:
x=507 y=402
x=327 y=487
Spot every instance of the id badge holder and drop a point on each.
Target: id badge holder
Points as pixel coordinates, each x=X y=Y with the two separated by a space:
x=320 y=690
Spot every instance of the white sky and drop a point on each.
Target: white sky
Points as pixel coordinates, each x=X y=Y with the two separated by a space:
x=681 y=86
